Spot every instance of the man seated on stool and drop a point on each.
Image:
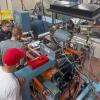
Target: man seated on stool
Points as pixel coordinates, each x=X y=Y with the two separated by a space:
x=9 y=85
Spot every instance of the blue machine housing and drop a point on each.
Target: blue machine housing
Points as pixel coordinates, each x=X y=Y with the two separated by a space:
x=42 y=25
x=22 y=19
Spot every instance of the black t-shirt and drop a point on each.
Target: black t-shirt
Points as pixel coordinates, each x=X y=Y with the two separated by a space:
x=4 y=35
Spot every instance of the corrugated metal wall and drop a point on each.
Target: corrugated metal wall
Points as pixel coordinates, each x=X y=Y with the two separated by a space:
x=16 y=4
x=3 y=4
x=28 y=4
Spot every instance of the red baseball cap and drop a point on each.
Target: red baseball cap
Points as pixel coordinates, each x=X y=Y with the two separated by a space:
x=12 y=56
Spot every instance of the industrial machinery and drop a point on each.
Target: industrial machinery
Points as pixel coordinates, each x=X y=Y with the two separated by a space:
x=56 y=63
x=55 y=83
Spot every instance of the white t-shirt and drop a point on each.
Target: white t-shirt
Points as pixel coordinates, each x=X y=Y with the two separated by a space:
x=9 y=86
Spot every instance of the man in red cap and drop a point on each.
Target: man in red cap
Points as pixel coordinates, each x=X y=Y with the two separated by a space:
x=9 y=84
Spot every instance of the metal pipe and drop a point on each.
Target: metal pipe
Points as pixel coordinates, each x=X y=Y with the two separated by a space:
x=84 y=93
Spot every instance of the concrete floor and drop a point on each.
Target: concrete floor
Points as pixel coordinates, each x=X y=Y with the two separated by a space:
x=95 y=68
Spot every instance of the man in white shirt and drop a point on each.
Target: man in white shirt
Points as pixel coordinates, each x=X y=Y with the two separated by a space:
x=9 y=84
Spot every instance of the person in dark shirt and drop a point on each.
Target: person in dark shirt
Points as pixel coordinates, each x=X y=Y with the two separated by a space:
x=5 y=31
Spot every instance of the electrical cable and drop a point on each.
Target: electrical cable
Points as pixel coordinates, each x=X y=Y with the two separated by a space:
x=77 y=88
x=70 y=95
